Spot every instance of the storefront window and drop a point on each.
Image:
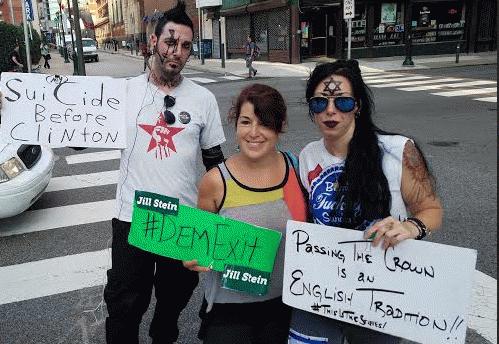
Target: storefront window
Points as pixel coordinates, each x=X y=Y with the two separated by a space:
x=358 y=27
x=438 y=22
x=390 y=30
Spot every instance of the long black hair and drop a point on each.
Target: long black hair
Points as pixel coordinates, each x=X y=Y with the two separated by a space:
x=363 y=175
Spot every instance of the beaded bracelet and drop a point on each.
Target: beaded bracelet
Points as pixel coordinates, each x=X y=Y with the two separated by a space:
x=423 y=231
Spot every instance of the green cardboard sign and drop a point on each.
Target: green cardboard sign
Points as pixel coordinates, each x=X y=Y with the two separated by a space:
x=163 y=226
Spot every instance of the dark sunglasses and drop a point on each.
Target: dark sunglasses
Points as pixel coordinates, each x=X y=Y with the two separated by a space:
x=319 y=104
x=169 y=117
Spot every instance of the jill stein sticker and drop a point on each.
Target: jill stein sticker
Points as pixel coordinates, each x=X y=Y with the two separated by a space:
x=245 y=279
x=157 y=203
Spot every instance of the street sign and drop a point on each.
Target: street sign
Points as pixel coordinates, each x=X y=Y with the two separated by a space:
x=29 y=11
x=348 y=9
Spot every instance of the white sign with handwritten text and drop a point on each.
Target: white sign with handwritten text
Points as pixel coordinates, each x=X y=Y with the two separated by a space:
x=418 y=290
x=59 y=111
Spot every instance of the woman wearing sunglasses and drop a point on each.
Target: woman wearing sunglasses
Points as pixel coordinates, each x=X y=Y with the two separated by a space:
x=359 y=177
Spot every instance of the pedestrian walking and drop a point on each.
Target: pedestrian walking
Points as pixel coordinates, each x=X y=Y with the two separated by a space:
x=146 y=54
x=272 y=195
x=250 y=48
x=377 y=182
x=169 y=119
x=14 y=59
x=45 y=51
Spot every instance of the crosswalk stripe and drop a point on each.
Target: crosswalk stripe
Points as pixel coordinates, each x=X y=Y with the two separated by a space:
x=231 y=77
x=466 y=92
x=417 y=82
x=82 y=181
x=385 y=80
x=382 y=75
x=81 y=158
x=487 y=99
x=451 y=85
x=57 y=217
x=53 y=276
x=190 y=72
x=203 y=80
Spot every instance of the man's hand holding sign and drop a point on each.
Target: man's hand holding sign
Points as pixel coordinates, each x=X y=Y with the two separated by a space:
x=60 y=111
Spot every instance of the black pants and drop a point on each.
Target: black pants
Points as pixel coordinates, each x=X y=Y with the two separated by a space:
x=46 y=64
x=265 y=322
x=129 y=287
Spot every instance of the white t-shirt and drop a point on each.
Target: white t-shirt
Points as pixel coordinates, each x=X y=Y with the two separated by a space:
x=319 y=171
x=161 y=158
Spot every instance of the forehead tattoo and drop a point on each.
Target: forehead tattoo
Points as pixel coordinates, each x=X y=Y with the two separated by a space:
x=172 y=42
x=327 y=87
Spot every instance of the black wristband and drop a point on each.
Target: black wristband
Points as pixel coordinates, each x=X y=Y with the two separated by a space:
x=423 y=231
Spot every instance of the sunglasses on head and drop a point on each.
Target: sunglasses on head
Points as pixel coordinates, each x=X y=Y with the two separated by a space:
x=169 y=117
x=319 y=104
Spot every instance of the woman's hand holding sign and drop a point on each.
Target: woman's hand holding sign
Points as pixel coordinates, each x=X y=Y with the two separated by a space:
x=193 y=266
x=391 y=231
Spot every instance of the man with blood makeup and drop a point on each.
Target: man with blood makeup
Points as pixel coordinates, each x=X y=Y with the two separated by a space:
x=169 y=119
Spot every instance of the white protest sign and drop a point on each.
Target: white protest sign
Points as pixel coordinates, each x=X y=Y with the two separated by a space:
x=58 y=111
x=418 y=290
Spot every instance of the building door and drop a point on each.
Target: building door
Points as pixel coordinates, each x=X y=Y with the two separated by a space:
x=487 y=26
x=318 y=34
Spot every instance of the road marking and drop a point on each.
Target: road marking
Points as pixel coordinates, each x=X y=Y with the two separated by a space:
x=487 y=99
x=203 y=80
x=461 y=84
x=58 y=217
x=53 y=276
x=83 y=181
x=466 y=92
x=232 y=77
x=482 y=316
x=93 y=157
x=382 y=75
x=385 y=80
x=190 y=72
x=417 y=82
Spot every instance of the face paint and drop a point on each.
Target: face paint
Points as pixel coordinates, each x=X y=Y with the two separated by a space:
x=327 y=89
x=172 y=42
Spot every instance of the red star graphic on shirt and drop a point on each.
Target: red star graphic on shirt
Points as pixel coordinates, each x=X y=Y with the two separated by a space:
x=161 y=137
x=314 y=173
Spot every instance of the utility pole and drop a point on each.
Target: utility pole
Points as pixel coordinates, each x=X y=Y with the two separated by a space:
x=200 y=20
x=26 y=39
x=79 y=46
x=11 y=11
x=408 y=36
x=295 y=36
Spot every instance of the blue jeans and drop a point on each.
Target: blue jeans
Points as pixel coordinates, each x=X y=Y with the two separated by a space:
x=249 y=61
x=330 y=331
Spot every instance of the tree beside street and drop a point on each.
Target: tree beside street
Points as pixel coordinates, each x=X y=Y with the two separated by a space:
x=9 y=34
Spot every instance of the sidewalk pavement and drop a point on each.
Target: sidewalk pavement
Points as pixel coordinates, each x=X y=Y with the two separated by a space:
x=276 y=69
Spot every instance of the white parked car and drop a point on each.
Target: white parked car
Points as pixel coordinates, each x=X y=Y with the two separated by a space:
x=25 y=171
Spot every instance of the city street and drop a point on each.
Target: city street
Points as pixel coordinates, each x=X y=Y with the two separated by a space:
x=69 y=225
